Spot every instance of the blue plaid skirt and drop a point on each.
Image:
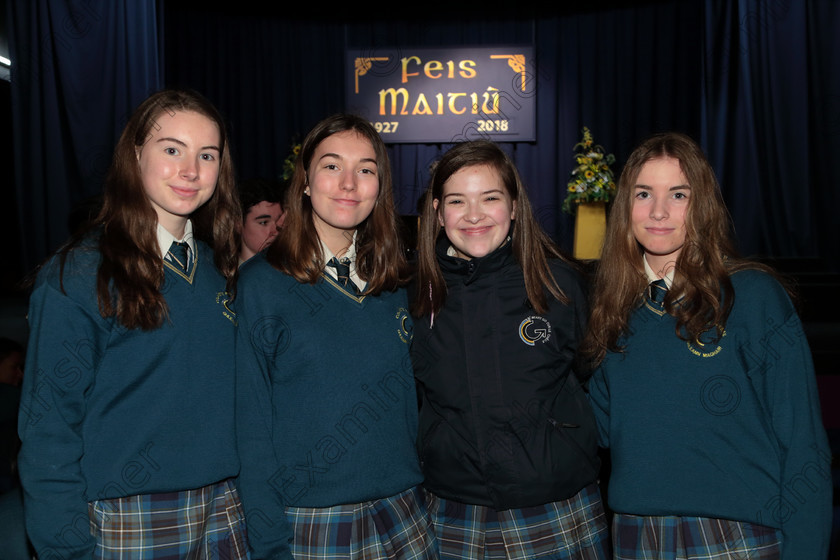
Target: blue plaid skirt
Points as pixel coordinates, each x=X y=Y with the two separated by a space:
x=569 y=529
x=207 y=523
x=692 y=538
x=395 y=528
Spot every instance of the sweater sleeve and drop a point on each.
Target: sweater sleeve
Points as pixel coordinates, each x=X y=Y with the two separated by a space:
x=260 y=479
x=781 y=370
x=67 y=338
x=599 y=398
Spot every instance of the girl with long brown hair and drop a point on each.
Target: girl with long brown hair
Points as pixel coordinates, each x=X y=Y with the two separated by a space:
x=705 y=392
x=507 y=440
x=327 y=414
x=127 y=416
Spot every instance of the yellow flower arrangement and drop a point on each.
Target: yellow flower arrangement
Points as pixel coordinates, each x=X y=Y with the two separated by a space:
x=592 y=178
x=289 y=162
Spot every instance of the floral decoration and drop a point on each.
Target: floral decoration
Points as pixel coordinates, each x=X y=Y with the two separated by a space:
x=592 y=178
x=289 y=162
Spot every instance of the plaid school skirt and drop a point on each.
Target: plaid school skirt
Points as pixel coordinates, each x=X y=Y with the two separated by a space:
x=689 y=538
x=395 y=528
x=568 y=529
x=207 y=523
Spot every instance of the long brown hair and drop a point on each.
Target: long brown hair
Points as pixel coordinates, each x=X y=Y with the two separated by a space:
x=131 y=271
x=379 y=256
x=531 y=245
x=703 y=267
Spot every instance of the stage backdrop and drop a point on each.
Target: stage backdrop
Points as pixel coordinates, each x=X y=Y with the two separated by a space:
x=752 y=80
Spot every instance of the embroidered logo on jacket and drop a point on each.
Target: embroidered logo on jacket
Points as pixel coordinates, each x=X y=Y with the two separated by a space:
x=534 y=329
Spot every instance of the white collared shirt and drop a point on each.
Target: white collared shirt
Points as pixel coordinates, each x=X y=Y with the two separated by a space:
x=165 y=240
x=652 y=276
x=349 y=254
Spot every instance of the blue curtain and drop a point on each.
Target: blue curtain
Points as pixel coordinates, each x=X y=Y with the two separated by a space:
x=770 y=121
x=79 y=69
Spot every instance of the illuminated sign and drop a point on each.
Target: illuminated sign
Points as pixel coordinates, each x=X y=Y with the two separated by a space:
x=445 y=95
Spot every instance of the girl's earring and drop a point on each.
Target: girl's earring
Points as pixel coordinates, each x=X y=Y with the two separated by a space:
x=306 y=191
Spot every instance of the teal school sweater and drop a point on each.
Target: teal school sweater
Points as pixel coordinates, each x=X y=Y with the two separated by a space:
x=108 y=412
x=327 y=412
x=728 y=430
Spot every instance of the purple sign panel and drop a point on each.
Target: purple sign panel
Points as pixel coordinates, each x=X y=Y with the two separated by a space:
x=445 y=95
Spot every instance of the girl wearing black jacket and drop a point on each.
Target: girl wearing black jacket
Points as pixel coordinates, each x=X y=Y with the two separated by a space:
x=507 y=440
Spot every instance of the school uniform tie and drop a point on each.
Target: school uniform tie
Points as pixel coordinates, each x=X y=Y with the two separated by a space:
x=342 y=269
x=180 y=253
x=657 y=291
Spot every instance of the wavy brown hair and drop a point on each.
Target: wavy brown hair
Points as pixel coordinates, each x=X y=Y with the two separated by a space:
x=532 y=247
x=131 y=271
x=296 y=250
x=703 y=266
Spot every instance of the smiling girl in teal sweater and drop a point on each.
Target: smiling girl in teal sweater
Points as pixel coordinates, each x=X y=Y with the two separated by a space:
x=705 y=392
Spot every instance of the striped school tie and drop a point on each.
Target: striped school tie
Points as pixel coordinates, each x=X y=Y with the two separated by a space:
x=180 y=253
x=342 y=269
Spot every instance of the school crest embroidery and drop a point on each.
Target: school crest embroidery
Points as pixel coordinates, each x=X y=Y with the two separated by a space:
x=223 y=298
x=534 y=329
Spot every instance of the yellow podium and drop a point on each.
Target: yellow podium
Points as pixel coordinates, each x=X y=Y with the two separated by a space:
x=590 y=226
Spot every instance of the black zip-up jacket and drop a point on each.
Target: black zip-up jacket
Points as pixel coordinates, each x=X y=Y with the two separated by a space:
x=504 y=420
